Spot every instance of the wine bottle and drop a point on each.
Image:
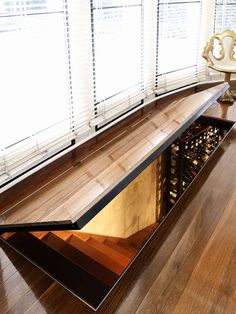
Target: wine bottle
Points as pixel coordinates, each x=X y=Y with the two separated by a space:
x=173 y=194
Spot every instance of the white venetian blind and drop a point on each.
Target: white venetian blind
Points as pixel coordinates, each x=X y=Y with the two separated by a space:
x=225 y=15
x=117 y=55
x=178 y=55
x=81 y=67
x=36 y=104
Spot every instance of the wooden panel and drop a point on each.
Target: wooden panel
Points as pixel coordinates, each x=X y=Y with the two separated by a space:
x=130 y=211
x=214 y=273
x=74 y=191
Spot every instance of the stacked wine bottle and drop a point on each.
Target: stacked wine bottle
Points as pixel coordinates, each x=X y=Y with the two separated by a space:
x=188 y=154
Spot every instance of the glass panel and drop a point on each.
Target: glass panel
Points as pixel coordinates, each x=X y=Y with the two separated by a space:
x=117 y=50
x=225 y=17
x=177 y=41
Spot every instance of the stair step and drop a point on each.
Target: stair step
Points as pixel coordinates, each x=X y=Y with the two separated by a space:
x=128 y=246
x=98 y=256
x=138 y=239
x=39 y=234
x=81 y=235
x=113 y=239
x=121 y=259
x=122 y=249
x=7 y=235
x=98 y=237
x=74 y=278
x=64 y=235
x=79 y=258
x=53 y=241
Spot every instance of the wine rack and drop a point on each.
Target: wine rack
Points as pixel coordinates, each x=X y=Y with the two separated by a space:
x=188 y=155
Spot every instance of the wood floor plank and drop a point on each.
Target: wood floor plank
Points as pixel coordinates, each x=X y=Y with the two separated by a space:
x=55 y=300
x=208 y=275
x=40 y=282
x=20 y=288
x=15 y=262
x=225 y=300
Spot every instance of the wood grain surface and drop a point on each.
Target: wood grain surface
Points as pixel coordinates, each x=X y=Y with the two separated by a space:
x=72 y=192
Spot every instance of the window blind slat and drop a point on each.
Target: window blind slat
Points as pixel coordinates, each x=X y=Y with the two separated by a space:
x=225 y=15
x=117 y=53
x=35 y=82
x=178 y=42
x=80 y=32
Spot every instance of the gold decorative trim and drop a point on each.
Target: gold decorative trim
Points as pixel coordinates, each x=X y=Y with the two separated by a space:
x=232 y=52
x=210 y=47
x=228 y=96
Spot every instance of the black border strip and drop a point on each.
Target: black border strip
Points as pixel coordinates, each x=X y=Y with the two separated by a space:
x=43 y=226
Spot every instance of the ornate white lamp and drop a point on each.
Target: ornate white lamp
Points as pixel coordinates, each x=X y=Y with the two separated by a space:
x=220 y=54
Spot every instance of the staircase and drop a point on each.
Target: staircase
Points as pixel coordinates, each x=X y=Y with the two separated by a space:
x=83 y=262
x=100 y=256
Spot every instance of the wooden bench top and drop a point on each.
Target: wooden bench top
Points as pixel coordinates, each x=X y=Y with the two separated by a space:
x=76 y=193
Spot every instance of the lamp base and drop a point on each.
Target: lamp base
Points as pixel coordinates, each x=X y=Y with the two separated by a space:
x=228 y=96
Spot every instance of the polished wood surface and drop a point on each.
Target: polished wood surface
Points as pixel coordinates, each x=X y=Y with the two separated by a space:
x=192 y=270
x=71 y=192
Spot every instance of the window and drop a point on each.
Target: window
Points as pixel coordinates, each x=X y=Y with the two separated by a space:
x=178 y=43
x=225 y=15
x=35 y=119
x=117 y=55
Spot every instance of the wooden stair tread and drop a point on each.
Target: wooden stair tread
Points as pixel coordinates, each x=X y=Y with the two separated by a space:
x=52 y=240
x=98 y=237
x=62 y=234
x=39 y=234
x=141 y=236
x=98 y=256
x=127 y=246
x=79 y=258
x=81 y=235
x=122 y=249
x=121 y=259
x=7 y=235
x=119 y=244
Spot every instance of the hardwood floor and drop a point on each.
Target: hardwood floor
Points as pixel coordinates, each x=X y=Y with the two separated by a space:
x=191 y=270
